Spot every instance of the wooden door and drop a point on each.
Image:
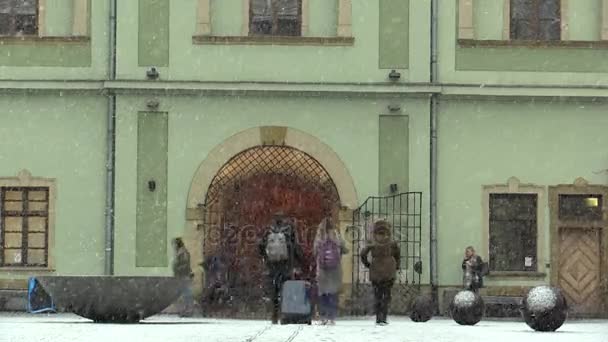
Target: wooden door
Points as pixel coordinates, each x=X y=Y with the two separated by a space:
x=580 y=269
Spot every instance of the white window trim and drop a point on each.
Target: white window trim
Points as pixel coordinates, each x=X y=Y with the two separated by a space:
x=24 y=179
x=203 y=18
x=513 y=186
x=41 y=18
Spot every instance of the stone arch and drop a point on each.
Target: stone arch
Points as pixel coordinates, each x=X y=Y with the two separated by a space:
x=279 y=135
x=247 y=139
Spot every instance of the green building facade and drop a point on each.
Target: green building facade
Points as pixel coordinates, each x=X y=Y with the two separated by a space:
x=130 y=134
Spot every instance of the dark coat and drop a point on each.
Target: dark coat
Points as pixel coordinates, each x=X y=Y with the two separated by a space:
x=386 y=256
x=181 y=263
x=473 y=277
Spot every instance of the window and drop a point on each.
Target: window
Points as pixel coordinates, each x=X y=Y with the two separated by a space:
x=535 y=20
x=18 y=17
x=513 y=232
x=580 y=207
x=275 y=17
x=24 y=226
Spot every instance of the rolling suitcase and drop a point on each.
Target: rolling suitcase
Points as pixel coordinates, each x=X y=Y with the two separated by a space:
x=295 y=303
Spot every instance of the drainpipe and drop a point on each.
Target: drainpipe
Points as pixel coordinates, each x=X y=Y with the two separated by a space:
x=110 y=147
x=434 y=112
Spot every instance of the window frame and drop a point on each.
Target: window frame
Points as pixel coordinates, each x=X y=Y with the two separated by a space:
x=203 y=30
x=24 y=214
x=534 y=266
x=24 y=179
x=12 y=30
x=513 y=186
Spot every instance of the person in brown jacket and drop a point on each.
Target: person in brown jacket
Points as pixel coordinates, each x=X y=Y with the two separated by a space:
x=383 y=267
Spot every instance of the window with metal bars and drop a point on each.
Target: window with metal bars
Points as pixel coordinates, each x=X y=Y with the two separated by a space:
x=18 y=17
x=535 y=20
x=513 y=232
x=24 y=223
x=275 y=17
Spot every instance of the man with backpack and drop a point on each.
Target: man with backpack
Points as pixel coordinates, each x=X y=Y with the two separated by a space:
x=281 y=253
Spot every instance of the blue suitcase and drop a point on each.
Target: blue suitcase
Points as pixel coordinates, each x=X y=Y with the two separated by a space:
x=295 y=303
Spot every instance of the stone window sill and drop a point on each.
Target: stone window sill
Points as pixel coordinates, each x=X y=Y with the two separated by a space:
x=534 y=43
x=26 y=269
x=516 y=274
x=49 y=39
x=273 y=40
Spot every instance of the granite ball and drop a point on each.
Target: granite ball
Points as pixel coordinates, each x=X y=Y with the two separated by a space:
x=544 y=308
x=467 y=308
x=421 y=309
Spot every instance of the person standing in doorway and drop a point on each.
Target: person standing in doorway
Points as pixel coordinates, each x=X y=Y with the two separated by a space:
x=383 y=267
x=473 y=269
x=328 y=249
x=281 y=253
x=182 y=270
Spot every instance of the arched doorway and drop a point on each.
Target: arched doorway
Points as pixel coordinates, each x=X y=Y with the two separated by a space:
x=239 y=204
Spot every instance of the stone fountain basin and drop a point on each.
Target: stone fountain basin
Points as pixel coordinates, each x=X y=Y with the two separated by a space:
x=113 y=298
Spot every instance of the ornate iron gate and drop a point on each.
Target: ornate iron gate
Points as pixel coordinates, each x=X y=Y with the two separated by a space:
x=239 y=205
x=404 y=212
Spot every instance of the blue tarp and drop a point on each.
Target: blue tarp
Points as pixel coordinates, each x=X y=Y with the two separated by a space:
x=38 y=300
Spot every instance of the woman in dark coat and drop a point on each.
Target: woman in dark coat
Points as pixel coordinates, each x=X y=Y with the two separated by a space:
x=383 y=267
x=472 y=266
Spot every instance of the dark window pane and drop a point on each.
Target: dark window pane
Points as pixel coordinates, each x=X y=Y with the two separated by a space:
x=513 y=232
x=522 y=9
x=580 y=207
x=275 y=17
x=5 y=24
x=288 y=27
x=25 y=24
x=535 y=20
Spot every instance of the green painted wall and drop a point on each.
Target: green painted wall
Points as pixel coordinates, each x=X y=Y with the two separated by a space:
x=313 y=63
x=322 y=18
x=585 y=20
x=33 y=130
x=59 y=54
x=226 y=18
x=151 y=234
x=515 y=65
x=488 y=141
x=154 y=32
x=394 y=39
x=487 y=19
x=198 y=124
x=31 y=60
x=393 y=154
x=532 y=59
x=59 y=17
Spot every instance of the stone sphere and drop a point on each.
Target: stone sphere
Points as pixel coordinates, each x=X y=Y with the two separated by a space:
x=467 y=308
x=422 y=309
x=544 y=308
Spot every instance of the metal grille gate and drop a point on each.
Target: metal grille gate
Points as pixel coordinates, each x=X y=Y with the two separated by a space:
x=404 y=213
x=239 y=205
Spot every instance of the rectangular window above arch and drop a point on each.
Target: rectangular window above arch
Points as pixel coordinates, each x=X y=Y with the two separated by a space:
x=275 y=17
x=274 y=22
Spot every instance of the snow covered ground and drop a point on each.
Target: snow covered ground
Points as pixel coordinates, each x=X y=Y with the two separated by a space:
x=63 y=328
